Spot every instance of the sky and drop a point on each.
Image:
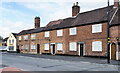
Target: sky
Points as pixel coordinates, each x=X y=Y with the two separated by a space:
x=18 y=15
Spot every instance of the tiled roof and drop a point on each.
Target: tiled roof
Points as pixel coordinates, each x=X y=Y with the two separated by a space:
x=86 y=18
x=15 y=34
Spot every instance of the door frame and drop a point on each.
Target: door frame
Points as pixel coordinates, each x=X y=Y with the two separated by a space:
x=111 y=50
x=52 y=48
x=83 y=47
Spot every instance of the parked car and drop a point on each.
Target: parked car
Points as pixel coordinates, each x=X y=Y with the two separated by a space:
x=3 y=48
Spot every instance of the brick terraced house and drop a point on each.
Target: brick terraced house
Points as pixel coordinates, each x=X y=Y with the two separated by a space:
x=83 y=34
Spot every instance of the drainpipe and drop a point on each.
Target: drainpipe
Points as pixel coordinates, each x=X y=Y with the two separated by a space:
x=117 y=38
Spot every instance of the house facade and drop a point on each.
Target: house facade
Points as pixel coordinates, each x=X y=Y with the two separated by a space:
x=12 y=43
x=83 y=34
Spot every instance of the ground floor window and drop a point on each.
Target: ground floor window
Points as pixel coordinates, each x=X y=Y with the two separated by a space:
x=11 y=48
x=33 y=46
x=59 y=46
x=73 y=46
x=46 y=46
x=97 y=46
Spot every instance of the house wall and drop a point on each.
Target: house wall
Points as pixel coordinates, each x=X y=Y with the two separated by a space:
x=84 y=34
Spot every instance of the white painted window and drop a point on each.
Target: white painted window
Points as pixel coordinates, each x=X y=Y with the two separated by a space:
x=26 y=37
x=47 y=34
x=97 y=28
x=10 y=41
x=33 y=37
x=73 y=31
x=59 y=46
x=73 y=46
x=59 y=32
x=19 y=37
x=25 y=46
x=97 y=46
x=33 y=46
x=46 y=46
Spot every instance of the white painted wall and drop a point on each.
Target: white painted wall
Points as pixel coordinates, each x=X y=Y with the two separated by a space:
x=14 y=44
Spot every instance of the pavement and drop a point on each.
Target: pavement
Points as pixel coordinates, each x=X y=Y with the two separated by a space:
x=33 y=62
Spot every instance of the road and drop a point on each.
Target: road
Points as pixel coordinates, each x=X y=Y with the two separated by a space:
x=26 y=63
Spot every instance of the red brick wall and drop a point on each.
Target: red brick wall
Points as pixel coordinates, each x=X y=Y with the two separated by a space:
x=84 y=34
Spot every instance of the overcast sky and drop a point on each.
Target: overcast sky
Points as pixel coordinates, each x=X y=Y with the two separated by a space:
x=18 y=15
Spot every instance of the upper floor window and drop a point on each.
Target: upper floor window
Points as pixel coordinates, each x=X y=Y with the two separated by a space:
x=59 y=46
x=97 y=28
x=46 y=46
x=47 y=34
x=10 y=41
x=25 y=46
x=59 y=32
x=19 y=37
x=73 y=46
x=97 y=46
x=26 y=37
x=33 y=37
x=73 y=31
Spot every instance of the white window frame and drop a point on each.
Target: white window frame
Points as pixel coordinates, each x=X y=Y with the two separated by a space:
x=97 y=46
x=19 y=37
x=59 y=46
x=33 y=46
x=25 y=37
x=71 y=44
x=47 y=34
x=33 y=36
x=73 y=31
x=46 y=46
x=60 y=32
x=97 y=28
x=26 y=47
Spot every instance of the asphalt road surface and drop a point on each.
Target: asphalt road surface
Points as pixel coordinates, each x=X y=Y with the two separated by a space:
x=26 y=63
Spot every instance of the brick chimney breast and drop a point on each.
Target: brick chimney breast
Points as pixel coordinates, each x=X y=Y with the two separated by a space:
x=37 y=22
x=75 y=9
x=116 y=3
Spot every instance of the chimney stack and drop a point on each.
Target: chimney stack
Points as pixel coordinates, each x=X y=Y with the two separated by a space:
x=75 y=9
x=116 y=3
x=37 y=22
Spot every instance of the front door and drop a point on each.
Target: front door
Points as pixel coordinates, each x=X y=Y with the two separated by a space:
x=53 y=49
x=113 y=51
x=81 y=50
x=38 y=48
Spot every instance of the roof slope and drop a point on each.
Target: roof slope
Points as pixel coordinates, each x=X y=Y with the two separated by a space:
x=90 y=17
x=15 y=34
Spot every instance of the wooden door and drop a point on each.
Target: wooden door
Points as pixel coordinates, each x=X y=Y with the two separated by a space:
x=113 y=52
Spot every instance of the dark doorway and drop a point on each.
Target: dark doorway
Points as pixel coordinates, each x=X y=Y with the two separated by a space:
x=53 y=49
x=81 y=49
x=38 y=48
x=113 y=51
x=18 y=50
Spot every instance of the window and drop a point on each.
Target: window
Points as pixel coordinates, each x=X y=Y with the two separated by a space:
x=32 y=37
x=73 y=31
x=19 y=37
x=26 y=37
x=59 y=46
x=46 y=46
x=97 y=28
x=11 y=48
x=73 y=46
x=97 y=46
x=59 y=32
x=47 y=34
x=12 y=40
x=25 y=46
x=33 y=46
